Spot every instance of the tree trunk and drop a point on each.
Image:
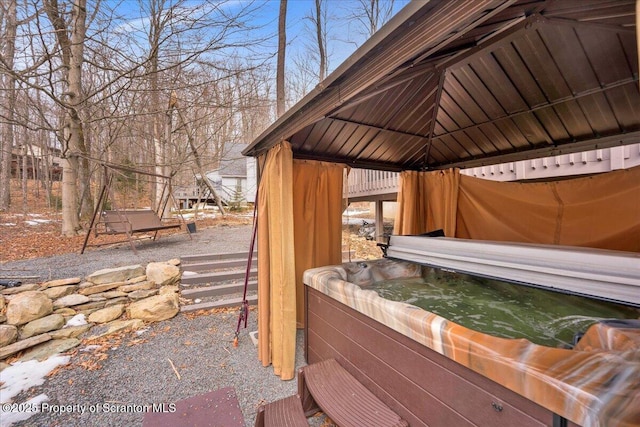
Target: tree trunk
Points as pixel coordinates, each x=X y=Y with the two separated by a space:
x=321 y=47
x=282 y=45
x=8 y=99
x=24 y=178
x=76 y=133
x=73 y=136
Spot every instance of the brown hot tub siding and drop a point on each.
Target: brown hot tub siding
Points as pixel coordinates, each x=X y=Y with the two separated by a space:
x=422 y=386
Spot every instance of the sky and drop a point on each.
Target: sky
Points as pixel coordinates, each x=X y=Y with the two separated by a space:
x=344 y=37
x=344 y=33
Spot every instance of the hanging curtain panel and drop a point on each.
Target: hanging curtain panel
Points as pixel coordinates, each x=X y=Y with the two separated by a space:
x=600 y=211
x=276 y=265
x=427 y=201
x=317 y=212
x=299 y=227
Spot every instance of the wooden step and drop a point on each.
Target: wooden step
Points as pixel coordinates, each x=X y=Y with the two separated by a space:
x=218 y=290
x=189 y=259
x=285 y=412
x=220 y=276
x=218 y=264
x=343 y=398
x=224 y=303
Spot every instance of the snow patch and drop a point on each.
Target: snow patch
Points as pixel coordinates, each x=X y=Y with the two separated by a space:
x=189 y=273
x=37 y=221
x=77 y=320
x=22 y=376
x=9 y=418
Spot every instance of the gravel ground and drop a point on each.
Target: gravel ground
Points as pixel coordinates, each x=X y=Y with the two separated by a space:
x=209 y=240
x=137 y=369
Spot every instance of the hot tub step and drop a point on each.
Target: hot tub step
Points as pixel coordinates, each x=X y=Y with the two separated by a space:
x=328 y=386
x=285 y=412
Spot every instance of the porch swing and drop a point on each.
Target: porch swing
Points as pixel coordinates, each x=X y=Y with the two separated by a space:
x=130 y=222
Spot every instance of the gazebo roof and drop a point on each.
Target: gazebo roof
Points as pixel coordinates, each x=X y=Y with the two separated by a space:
x=456 y=83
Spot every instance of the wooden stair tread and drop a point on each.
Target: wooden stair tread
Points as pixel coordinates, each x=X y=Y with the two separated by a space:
x=217 y=265
x=223 y=303
x=218 y=290
x=218 y=276
x=189 y=259
x=344 y=399
x=285 y=412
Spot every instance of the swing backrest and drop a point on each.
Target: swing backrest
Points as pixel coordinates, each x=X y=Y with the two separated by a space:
x=133 y=221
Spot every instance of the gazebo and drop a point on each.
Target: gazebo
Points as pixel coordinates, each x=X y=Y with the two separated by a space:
x=450 y=84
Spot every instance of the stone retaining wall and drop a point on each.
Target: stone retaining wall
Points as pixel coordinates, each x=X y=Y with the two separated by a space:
x=42 y=319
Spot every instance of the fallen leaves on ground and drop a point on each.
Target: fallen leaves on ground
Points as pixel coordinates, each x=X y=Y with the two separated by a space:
x=207 y=312
x=37 y=233
x=33 y=230
x=137 y=342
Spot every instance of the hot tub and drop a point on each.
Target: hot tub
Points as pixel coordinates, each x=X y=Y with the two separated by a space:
x=433 y=371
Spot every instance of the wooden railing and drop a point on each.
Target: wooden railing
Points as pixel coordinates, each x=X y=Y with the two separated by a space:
x=186 y=192
x=587 y=162
x=366 y=184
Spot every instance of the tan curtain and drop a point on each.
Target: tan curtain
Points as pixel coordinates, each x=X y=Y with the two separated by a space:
x=276 y=269
x=299 y=227
x=600 y=211
x=427 y=201
x=317 y=212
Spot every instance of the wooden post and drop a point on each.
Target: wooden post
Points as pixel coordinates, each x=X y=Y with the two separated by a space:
x=379 y=221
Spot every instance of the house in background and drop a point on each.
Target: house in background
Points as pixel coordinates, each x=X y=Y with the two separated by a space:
x=36 y=161
x=234 y=181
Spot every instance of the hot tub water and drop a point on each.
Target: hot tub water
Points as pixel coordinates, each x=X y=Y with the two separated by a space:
x=500 y=308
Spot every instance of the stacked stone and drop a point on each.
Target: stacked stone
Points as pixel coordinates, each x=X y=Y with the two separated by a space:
x=33 y=316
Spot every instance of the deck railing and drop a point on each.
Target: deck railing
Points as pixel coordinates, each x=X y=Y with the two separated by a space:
x=587 y=162
x=363 y=183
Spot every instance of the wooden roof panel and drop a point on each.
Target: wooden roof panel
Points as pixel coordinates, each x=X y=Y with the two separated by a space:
x=492 y=76
x=624 y=101
x=518 y=73
x=553 y=125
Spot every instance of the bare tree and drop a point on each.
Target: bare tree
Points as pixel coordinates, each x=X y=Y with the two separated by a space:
x=182 y=37
x=303 y=75
x=7 y=98
x=95 y=84
x=74 y=150
x=319 y=19
x=314 y=59
x=371 y=14
x=282 y=45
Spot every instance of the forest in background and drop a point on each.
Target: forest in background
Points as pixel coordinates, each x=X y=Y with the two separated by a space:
x=161 y=86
